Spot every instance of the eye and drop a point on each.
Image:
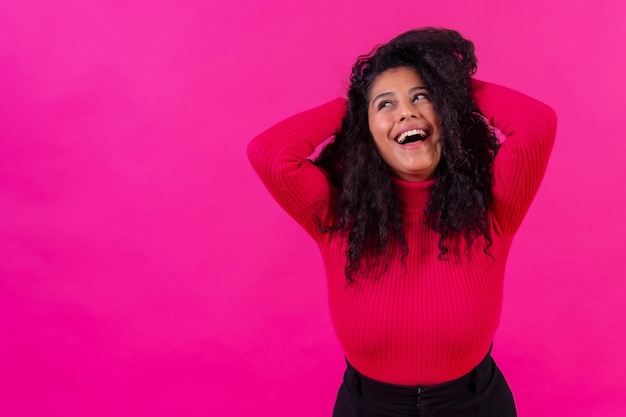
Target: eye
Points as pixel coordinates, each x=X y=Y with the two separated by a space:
x=420 y=96
x=384 y=103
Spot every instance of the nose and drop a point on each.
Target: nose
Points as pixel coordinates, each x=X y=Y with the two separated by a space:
x=406 y=111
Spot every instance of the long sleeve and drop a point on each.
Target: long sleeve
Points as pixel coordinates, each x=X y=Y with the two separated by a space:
x=279 y=156
x=530 y=128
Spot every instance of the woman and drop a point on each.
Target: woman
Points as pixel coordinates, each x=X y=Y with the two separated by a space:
x=414 y=206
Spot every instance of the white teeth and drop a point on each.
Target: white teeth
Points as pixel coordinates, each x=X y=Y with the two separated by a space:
x=408 y=133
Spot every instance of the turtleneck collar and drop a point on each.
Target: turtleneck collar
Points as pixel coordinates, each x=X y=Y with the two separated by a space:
x=413 y=196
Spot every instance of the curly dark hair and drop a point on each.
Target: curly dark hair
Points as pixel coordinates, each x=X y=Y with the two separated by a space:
x=366 y=206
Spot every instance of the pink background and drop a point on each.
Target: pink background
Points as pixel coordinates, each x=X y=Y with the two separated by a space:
x=144 y=269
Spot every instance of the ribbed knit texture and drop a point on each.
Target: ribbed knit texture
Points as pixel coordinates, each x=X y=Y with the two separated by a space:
x=432 y=320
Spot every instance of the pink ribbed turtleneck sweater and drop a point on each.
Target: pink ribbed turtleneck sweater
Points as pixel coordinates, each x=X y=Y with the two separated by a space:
x=434 y=320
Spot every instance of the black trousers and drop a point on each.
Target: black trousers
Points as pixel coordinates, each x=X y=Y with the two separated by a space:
x=481 y=393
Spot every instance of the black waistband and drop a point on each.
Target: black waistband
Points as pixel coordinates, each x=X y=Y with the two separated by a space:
x=373 y=389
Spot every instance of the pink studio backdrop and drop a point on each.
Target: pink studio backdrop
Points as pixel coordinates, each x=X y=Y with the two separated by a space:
x=144 y=269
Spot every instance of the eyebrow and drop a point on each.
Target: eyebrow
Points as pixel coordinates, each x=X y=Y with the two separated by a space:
x=389 y=93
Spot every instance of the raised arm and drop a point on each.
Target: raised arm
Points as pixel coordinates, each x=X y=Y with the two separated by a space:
x=279 y=156
x=530 y=128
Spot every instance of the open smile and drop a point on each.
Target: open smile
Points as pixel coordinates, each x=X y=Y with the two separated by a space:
x=411 y=136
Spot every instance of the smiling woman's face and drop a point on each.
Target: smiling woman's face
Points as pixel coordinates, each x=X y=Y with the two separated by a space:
x=404 y=124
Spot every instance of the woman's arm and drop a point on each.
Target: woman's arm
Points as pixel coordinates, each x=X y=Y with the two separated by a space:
x=530 y=128
x=279 y=156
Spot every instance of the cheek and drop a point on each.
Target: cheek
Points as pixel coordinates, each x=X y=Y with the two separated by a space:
x=378 y=127
x=374 y=131
x=435 y=119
